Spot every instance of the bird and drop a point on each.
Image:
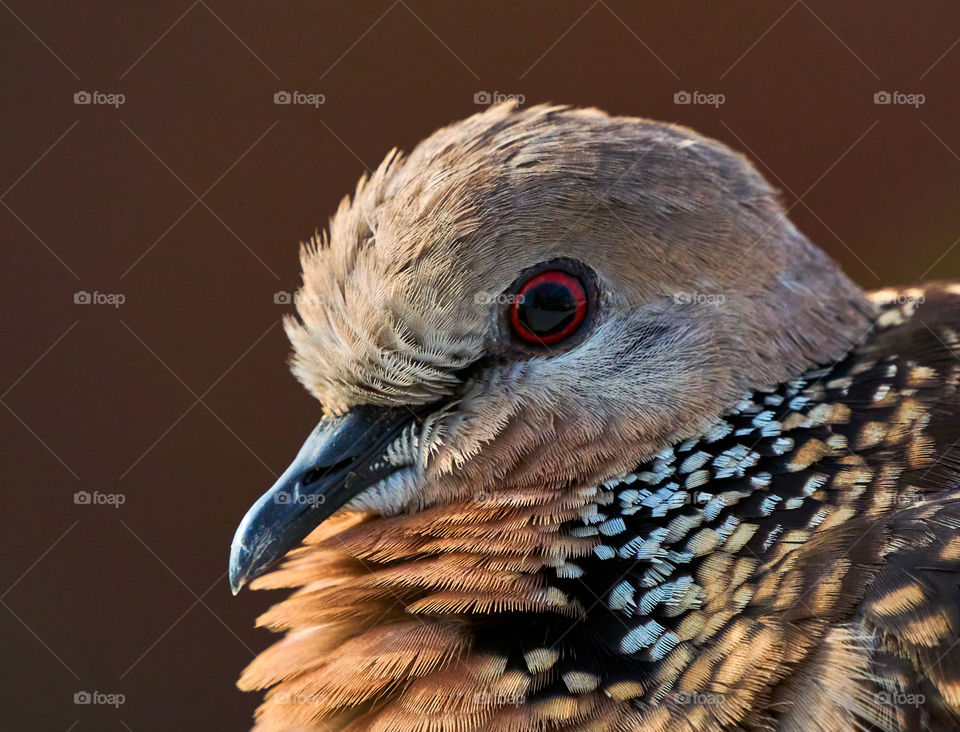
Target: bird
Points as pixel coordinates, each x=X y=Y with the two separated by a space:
x=606 y=443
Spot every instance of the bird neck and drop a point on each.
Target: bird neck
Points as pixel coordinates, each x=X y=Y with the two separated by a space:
x=718 y=563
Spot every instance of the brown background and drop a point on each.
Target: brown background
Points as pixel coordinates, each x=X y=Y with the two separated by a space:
x=180 y=400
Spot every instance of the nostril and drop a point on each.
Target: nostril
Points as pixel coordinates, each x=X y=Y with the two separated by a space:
x=311 y=476
x=315 y=474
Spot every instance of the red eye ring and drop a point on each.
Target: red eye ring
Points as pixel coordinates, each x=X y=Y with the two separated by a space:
x=548 y=308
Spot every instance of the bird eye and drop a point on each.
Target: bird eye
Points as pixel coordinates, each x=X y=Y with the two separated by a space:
x=548 y=308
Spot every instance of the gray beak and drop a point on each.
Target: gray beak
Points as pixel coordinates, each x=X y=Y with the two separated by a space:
x=340 y=458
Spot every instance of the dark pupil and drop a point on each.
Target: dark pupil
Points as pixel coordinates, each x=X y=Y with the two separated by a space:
x=547 y=308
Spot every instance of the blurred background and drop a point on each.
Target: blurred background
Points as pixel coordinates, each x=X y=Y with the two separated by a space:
x=155 y=187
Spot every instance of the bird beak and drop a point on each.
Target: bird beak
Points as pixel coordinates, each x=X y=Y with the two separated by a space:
x=342 y=456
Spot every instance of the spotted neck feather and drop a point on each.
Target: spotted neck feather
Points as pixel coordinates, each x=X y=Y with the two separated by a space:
x=684 y=592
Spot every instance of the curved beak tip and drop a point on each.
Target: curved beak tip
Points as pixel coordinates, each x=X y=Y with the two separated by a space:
x=237 y=573
x=237 y=580
x=344 y=449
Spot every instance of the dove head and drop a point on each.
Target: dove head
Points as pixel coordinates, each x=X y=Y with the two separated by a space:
x=538 y=300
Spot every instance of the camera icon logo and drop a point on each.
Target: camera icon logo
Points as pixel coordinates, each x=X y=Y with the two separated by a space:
x=82 y=97
x=282 y=97
x=81 y=498
x=82 y=298
x=882 y=97
x=82 y=697
x=682 y=97
x=482 y=97
x=282 y=498
x=282 y=297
